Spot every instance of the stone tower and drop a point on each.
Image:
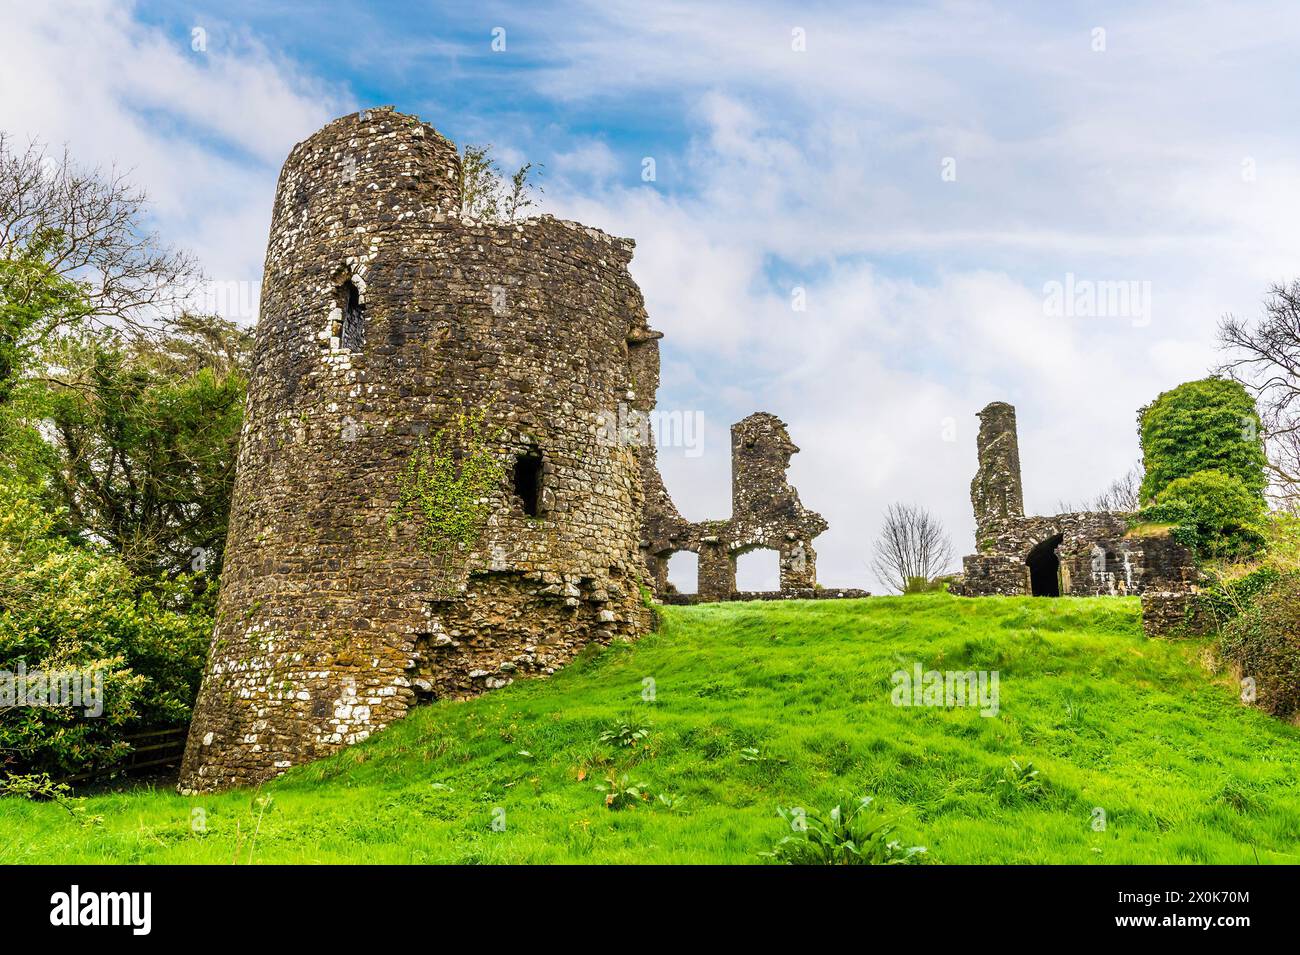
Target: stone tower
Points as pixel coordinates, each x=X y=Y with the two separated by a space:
x=384 y=314
x=996 y=491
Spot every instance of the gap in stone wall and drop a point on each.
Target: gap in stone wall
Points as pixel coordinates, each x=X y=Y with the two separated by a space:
x=758 y=570
x=684 y=572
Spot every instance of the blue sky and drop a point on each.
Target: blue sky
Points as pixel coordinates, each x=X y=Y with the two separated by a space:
x=919 y=171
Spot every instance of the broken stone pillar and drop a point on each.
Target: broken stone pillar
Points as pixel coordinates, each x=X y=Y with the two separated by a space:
x=996 y=492
x=798 y=566
x=717 y=571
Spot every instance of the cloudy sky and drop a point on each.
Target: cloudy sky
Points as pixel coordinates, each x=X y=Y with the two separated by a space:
x=864 y=217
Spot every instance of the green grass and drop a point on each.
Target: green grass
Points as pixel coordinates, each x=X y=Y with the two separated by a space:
x=762 y=705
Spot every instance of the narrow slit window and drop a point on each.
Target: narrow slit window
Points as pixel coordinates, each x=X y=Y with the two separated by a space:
x=352 y=334
x=528 y=481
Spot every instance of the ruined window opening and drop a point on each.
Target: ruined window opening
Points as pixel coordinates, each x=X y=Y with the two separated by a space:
x=758 y=570
x=684 y=572
x=351 y=332
x=528 y=481
x=1045 y=568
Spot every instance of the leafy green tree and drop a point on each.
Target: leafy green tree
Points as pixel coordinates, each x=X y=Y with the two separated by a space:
x=66 y=608
x=1221 y=517
x=1206 y=425
x=33 y=302
x=144 y=433
x=1203 y=453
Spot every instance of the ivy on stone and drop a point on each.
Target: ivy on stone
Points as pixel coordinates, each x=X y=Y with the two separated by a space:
x=448 y=485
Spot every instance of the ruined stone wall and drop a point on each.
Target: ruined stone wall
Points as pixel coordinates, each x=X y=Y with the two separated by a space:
x=996 y=492
x=766 y=513
x=384 y=314
x=1095 y=552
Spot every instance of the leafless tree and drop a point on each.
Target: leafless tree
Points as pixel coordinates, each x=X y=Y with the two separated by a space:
x=1120 y=495
x=912 y=546
x=86 y=226
x=1265 y=358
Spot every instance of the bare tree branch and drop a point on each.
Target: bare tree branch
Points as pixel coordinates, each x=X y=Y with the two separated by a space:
x=1264 y=356
x=912 y=546
x=86 y=226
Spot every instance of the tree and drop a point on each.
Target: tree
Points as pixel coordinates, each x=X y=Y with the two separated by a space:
x=144 y=434
x=485 y=194
x=1205 y=467
x=1122 y=493
x=1265 y=359
x=1203 y=425
x=85 y=227
x=911 y=549
x=77 y=612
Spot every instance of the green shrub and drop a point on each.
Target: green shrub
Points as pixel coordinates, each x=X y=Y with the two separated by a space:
x=1207 y=425
x=853 y=836
x=621 y=792
x=66 y=609
x=630 y=732
x=1263 y=641
x=1230 y=598
x=1214 y=512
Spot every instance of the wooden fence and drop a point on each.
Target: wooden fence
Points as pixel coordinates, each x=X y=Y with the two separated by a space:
x=153 y=749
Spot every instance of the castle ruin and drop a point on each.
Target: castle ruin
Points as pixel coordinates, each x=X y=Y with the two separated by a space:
x=1080 y=553
x=766 y=513
x=385 y=313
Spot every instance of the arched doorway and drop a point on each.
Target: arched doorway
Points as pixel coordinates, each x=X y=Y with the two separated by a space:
x=1045 y=568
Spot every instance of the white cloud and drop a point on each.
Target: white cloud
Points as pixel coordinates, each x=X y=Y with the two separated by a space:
x=203 y=132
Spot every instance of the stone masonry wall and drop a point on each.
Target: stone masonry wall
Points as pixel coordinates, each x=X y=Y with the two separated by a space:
x=765 y=513
x=1094 y=551
x=384 y=313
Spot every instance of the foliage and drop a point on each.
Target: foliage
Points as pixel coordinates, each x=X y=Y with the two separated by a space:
x=1206 y=425
x=1227 y=599
x=853 y=836
x=76 y=609
x=448 y=485
x=627 y=733
x=1019 y=783
x=33 y=302
x=144 y=436
x=1263 y=642
x=85 y=228
x=1212 y=513
x=486 y=194
x=620 y=793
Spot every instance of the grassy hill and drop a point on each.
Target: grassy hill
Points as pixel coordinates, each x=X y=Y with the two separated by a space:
x=762 y=705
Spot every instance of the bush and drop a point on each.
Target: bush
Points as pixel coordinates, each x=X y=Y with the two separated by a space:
x=1207 y=425
x=850 y=834
x=71 y=609
x=1214 y=512
x=1263 y=642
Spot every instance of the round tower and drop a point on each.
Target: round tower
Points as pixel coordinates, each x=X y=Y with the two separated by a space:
x=385 y=314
